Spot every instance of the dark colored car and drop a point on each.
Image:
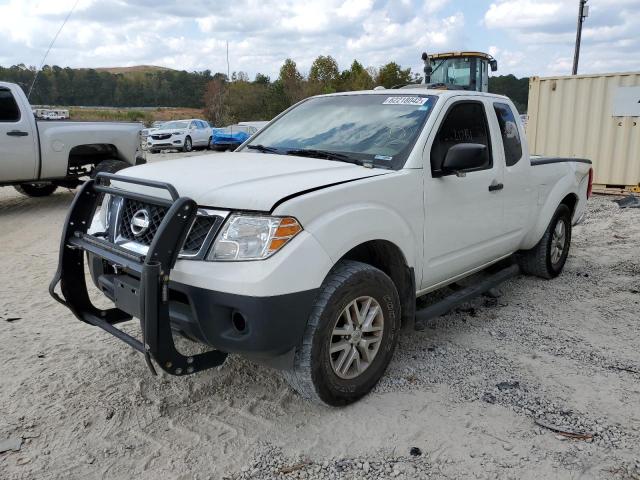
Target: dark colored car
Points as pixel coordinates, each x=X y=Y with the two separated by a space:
x=231 y=137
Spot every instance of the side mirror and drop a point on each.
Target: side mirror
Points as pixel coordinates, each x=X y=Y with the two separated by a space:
x=464 y=156
x=494 y=65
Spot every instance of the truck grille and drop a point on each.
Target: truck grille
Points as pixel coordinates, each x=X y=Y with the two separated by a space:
x=155 y=214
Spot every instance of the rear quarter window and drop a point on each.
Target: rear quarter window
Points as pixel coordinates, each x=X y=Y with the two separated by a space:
x=9 y=111
x=509 y=132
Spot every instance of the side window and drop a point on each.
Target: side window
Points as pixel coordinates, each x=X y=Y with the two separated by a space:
x=466 y=122
x=201 y=125
x=9 y=111
x=509 y=132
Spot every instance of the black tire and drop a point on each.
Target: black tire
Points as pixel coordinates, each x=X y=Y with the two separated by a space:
x=41 y=189
x=313 y=375
x=109 y=166
x=210 y=144
x=188 y=145
x=539 y=260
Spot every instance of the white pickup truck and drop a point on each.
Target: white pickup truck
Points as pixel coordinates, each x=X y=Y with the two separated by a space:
x=306 y=248
x=37 y=157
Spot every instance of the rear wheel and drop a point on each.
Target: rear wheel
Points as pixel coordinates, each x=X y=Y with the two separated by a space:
x=210 y=144
x=39 y=189
x=350 y=336
x=547 y=258
x=109 y=166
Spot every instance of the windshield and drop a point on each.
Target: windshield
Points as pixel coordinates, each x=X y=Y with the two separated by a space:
x=235 y=129
x=451 y=71
x=376 y=128
x=179 y=124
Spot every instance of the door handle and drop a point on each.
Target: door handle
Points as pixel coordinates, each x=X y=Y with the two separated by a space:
x=17 y=133
x=495 y=187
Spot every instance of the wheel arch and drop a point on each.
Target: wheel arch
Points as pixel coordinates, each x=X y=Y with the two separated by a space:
x=571 y=201
x=90 y=154
x=389 y=258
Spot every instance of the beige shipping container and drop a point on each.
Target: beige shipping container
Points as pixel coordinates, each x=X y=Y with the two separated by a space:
x=589 y=116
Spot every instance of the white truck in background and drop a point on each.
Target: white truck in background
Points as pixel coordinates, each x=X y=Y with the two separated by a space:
x=36 y=157
x=306 y=248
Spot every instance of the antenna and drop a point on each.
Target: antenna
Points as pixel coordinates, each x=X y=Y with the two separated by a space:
x=50 y=46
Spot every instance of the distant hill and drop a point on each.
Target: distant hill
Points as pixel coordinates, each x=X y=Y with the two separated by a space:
x=135 y=69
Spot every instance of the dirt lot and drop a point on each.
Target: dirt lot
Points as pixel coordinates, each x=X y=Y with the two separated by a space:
x=466 y=392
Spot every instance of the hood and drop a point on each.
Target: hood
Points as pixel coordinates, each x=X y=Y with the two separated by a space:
x=160 y=131
x=246 y=181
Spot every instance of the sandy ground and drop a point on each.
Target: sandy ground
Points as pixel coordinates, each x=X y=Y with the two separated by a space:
x=466 y=391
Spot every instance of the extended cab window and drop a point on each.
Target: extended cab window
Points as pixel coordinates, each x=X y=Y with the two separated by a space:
x=9 y=111
x=509 y=131
x=465 y=122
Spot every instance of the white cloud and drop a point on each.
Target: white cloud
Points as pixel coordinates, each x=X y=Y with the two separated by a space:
x=543 y=34
x=261 y=34
x=527 y=36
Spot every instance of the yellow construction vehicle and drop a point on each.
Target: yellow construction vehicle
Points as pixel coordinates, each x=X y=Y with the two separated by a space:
x=458 y=70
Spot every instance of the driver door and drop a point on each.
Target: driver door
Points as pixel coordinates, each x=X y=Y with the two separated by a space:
x=464 y=224
x=18 y=142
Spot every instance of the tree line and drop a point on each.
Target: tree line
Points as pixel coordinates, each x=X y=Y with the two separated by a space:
x=224 y=100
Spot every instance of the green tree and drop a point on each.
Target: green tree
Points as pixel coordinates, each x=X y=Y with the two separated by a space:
x=291 y=80
x=356 y=78
x=324 y=74
x=392 y=74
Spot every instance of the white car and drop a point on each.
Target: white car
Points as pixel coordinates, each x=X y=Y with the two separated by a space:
x=305 y=249
x=182 y=135
x=51 y=116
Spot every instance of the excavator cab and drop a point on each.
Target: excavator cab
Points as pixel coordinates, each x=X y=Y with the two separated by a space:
x=458 y=70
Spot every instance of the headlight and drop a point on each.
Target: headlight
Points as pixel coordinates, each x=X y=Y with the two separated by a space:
x=245 y=237
x=100 y=222
x=178 y=133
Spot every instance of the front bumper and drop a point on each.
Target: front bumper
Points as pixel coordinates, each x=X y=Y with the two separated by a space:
x=264 y=329
x=171 y=142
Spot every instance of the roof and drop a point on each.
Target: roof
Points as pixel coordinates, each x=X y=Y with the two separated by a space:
x=417 y=90
x=461 y=54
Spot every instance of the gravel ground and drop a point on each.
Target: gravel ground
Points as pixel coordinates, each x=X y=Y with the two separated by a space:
x=541 y=382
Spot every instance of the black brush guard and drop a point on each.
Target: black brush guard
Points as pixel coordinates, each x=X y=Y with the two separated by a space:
x=150 y=300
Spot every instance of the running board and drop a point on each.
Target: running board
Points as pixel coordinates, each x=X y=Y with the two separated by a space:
x=464 y=295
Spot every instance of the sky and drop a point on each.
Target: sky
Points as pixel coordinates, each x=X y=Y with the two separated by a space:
x=527 y=37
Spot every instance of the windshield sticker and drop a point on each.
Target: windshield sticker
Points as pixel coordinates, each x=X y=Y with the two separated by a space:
x=406 y=100
x=383 y=157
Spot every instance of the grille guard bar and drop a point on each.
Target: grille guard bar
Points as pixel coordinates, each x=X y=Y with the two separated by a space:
x=153 y=269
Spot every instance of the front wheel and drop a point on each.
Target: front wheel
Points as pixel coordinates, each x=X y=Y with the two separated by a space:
x=350 y=336
x=547 y=258
x=39 y=189
x=188 y=145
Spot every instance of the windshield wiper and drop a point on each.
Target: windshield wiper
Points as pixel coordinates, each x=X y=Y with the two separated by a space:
x=263 y=149
x=341 y=157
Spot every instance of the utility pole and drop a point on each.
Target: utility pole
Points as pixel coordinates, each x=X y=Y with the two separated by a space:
x=228 y=77
x=583 y=12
